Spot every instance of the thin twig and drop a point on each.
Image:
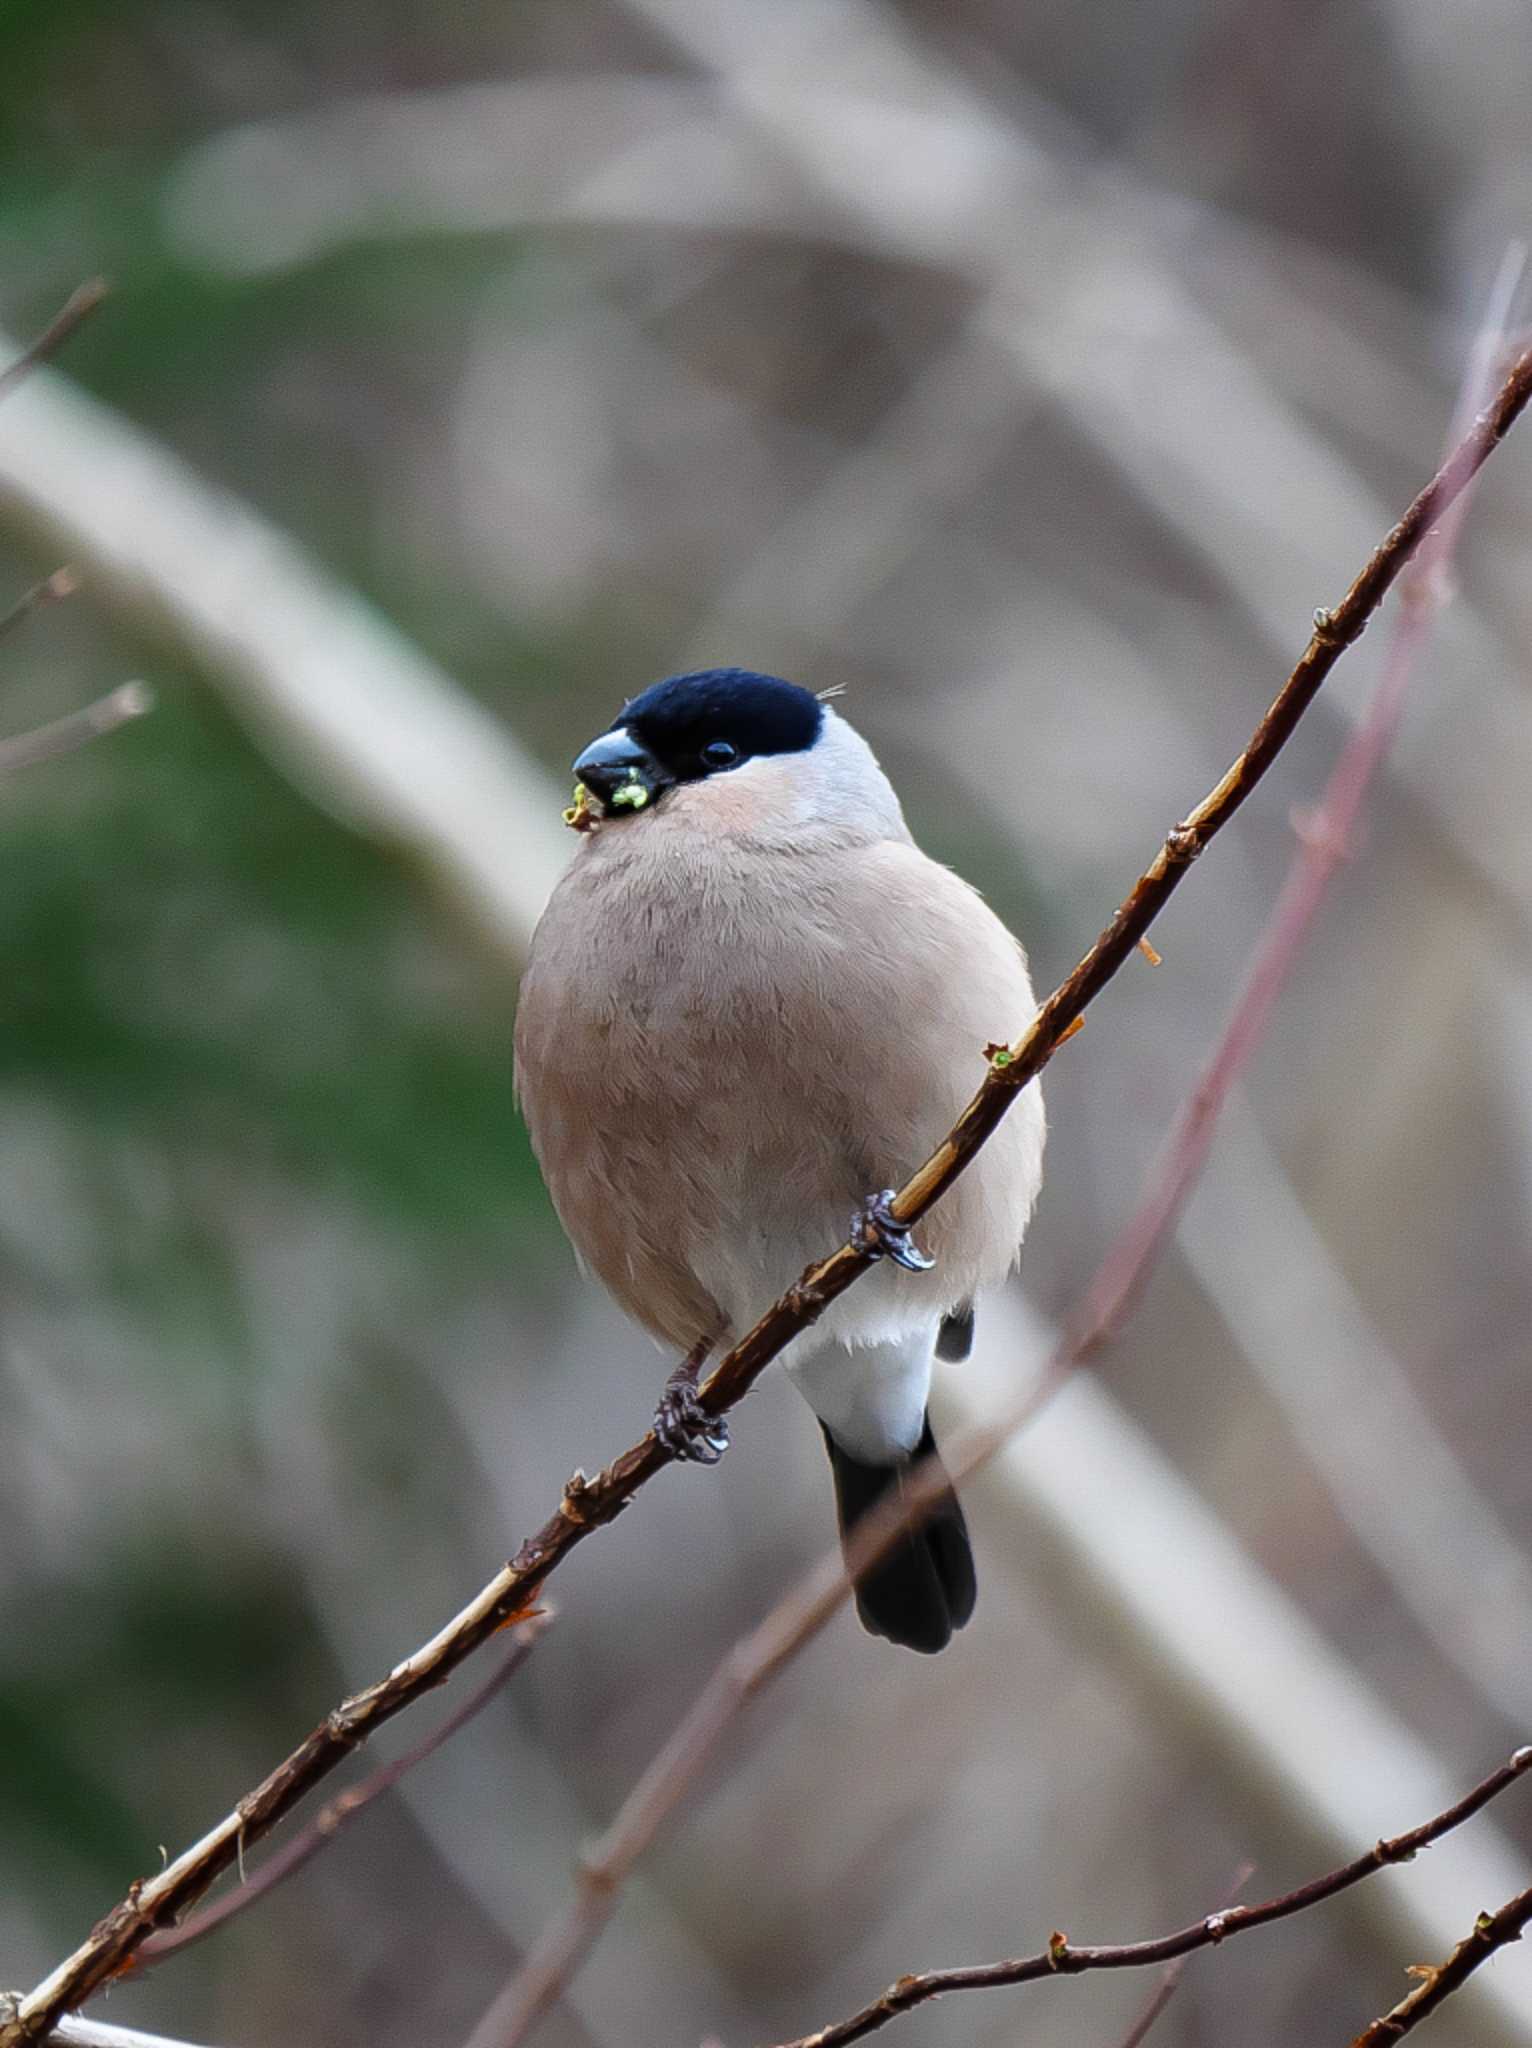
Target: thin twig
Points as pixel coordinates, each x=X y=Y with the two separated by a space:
x=1491 y=1931
x=1325 y=840
x=74 y=2033
x=78 y=307
x=1061 y=1958
x=76 y=728
x=62 y=583
x=588 y=1504
x=563 y=1944
x=345 y=1807
x=1139 y=2032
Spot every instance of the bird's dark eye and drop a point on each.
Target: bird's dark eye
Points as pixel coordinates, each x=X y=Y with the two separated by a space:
x=720 y=754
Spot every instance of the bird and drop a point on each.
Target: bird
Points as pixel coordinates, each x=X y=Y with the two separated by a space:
x=751 y=1006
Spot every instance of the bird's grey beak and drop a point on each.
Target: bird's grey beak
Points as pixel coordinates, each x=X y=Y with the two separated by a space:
x=621 y=773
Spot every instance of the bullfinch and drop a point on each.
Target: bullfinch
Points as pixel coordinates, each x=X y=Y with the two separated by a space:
x=752 y=1006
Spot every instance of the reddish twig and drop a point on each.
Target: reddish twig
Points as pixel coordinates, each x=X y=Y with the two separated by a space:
x=1491 y=1931
x=590 y=1503
x=345 y=1806
x=78 y=307
x=564 y=1943
x=1061 y=1958
x=1325 y=840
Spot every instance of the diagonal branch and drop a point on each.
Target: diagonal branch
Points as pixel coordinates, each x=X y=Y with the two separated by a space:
x=76 y=728
x=61 y=584
x=752 y=1663
x=588 y=1504
x=77 y=308
x=1141 y=2028
x=338 y=1812
x=1491 y=1931
x=1062 y=1959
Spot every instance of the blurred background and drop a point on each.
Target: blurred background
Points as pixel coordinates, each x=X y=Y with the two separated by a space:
x=1032 y=373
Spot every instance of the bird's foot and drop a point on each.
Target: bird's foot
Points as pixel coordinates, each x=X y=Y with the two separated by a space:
x=681 y=1424
x=877 y=1231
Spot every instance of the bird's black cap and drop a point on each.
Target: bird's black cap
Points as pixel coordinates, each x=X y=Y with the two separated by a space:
x=718 y=718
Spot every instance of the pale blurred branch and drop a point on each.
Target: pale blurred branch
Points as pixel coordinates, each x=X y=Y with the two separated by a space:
x=1325 y=838
x=1405 y=1493
x=1063 y=1958
x=63 y=735
x=345 y=1806
x=1168 y=1985
x=76 y=728
x=78 y=307
x=357 y=715
x=77 y=2033
x=61 y=584
x=1082 y=275
x=1492 y=1931
x=589 y=1503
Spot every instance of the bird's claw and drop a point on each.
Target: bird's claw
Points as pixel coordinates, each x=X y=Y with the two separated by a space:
x=684 y=1428
x=879 y=1233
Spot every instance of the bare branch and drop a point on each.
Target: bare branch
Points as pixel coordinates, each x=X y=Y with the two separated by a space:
x=567 y=1939
x=590 y=1503
x=76 y=728
x=1061 y=1958
x=345 y=1807
x=77 y=308
x=76 y=2033
x=62 y=583
x=1491 y=1931
x=1140 y=2030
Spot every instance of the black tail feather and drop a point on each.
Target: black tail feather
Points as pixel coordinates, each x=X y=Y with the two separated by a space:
x=954 y=1340
x=923 y=1588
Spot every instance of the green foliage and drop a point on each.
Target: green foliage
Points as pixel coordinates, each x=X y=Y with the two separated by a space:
x=200 y=955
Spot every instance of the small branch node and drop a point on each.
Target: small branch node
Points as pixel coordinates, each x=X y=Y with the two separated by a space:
x=1183 y=843
x=1058 y=1950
